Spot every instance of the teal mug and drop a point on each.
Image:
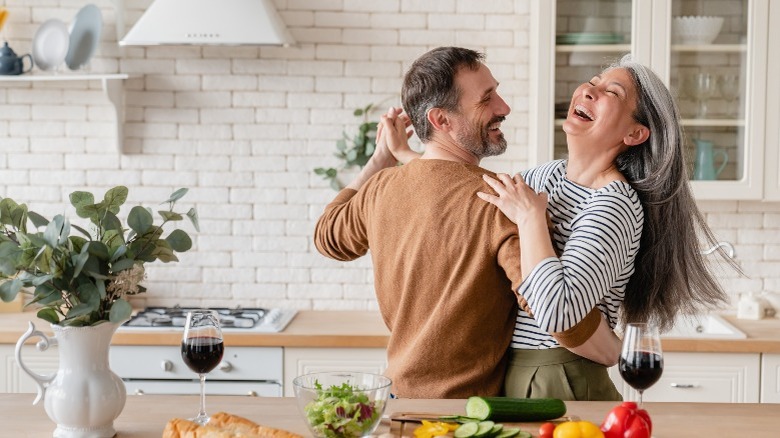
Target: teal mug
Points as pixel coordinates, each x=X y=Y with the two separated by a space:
x=704 y=166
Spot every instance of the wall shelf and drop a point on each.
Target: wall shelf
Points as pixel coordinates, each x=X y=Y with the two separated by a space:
x=112 y=87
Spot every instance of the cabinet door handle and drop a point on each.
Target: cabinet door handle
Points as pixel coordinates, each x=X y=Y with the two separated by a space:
x=225 y=366
x=683 y=385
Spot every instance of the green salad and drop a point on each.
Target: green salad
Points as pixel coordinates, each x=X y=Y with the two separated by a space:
x=342 y=411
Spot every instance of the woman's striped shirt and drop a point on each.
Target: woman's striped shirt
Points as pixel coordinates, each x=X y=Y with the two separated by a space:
x=597 y=233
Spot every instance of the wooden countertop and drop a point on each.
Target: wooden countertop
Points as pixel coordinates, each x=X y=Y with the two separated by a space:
x=358 y=329
x=146 y=415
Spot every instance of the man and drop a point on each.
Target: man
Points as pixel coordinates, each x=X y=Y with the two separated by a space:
x=445 y=266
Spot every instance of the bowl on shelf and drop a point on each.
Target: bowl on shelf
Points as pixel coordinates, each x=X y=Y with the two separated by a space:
x=696 y=29
x=341 y=403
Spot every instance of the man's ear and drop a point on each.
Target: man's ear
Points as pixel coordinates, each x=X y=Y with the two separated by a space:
x=638 y=135
x=437 y=117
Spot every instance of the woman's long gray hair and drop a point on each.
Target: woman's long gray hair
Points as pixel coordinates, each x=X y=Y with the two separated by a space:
x=670 y=275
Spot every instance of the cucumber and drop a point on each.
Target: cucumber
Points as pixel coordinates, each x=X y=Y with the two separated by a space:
x=466 y=430
x=510 y=432
x=484 y=429
x=514 y=409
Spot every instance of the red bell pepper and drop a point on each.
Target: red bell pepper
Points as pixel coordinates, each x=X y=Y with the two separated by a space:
x=626 y=420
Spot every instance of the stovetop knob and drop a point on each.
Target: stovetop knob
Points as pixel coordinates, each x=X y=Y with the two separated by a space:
x=166 y=365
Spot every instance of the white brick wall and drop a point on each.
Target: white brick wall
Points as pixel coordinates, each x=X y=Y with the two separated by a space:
x=243 y=127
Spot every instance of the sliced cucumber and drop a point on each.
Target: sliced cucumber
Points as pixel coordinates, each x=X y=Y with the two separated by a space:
x=510 y=432
x=484 y=428
x=466 y=430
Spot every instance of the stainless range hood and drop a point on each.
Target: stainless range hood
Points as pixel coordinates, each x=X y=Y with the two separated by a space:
x=209 y=22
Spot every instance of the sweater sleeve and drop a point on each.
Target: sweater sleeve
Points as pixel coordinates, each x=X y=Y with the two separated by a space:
x=340 y=232
x=563 y=292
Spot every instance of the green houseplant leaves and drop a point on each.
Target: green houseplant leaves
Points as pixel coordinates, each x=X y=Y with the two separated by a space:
x=79 y=276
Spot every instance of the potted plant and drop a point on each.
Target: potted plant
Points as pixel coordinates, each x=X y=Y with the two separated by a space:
x=80 y=278
x=353 y=149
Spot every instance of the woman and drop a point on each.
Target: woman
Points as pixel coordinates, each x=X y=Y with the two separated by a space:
x=624 y=232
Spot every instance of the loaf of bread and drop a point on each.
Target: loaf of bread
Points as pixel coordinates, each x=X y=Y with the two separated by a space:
x=223 y=425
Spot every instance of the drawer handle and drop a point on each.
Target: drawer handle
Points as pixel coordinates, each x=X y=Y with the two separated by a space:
x=139 y=392
x=252 y=394
x=225 y=366
x=683 y=385
x=166 y=365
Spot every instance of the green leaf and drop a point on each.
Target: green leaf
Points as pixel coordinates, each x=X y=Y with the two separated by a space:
x=120 y=311
x=335 y=185
x=40 y=279
x=179 y=240
x=80 y=310
x=54 y=231
x=89 y=294
x=99 y=250
x=37 y=220
x=119 y=252
x=341 y=144
x=170 y=215
x=115 y=198
x=48 y=315
x=163 y=252
x=193 y=215
x=139 y=219
x=81 y=200
x=175 y=196
x=358 y=112
x=121 y=265
x=7 y=205
x=19 y=217
x=9 y=289
x=79 y=260
x=111 y=222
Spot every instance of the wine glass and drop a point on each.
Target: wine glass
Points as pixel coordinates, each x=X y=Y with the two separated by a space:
x=202 y=348
x=729 y=88
x=641 y=359
x=701 y=87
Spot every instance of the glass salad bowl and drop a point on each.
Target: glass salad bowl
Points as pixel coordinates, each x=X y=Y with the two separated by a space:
x=341 y=403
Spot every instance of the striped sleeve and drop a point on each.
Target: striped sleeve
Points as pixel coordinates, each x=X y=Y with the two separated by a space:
x=597 y=258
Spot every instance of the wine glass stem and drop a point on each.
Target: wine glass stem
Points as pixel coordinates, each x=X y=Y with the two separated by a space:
x=640 y=399
x=202 y=413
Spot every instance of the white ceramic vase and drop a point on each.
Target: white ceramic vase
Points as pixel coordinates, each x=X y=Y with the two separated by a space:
x=84 y=397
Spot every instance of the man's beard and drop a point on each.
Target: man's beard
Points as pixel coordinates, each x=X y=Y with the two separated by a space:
x=476 y=139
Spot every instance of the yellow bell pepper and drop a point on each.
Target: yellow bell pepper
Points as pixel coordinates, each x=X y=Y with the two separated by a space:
x=577 y=429
x=430 y=429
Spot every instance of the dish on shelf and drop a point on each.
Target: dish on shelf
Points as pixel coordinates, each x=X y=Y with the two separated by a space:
x=50 y=44
x=84 y=36
x=697 y=29
x=589 y=38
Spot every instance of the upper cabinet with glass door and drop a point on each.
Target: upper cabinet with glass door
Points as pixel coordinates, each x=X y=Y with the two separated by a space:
x=712 y=55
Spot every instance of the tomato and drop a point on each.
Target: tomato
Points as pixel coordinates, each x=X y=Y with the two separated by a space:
x=546 y=430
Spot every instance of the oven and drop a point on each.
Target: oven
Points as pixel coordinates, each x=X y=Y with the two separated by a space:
x=155 y=369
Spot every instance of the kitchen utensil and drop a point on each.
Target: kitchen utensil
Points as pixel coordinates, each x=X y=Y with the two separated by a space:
x=50 y=44
x=10 y=63
x=84 y=36
x=704 y=167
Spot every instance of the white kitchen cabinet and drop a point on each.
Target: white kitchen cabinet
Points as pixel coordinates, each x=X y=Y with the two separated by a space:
x=13 y=379
x=702 y=377
x=770 y=378
x=299 y=361
x=573 y=40
x=772 y=170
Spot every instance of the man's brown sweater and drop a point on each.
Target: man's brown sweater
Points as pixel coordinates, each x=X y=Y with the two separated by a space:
x=446 y=266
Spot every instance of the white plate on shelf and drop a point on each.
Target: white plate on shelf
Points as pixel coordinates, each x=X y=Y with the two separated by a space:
x=50 y=44
x=84 y=36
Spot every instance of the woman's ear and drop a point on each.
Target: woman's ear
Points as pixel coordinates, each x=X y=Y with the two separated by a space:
x=638 y=135
x=437 y=117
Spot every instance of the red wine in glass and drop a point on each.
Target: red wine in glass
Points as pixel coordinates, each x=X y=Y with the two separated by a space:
x=202 y=354
x=642 y=369
x=641 y=360
x=202 y=348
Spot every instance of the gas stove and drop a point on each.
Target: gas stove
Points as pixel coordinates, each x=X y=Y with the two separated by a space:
x=238 y=319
